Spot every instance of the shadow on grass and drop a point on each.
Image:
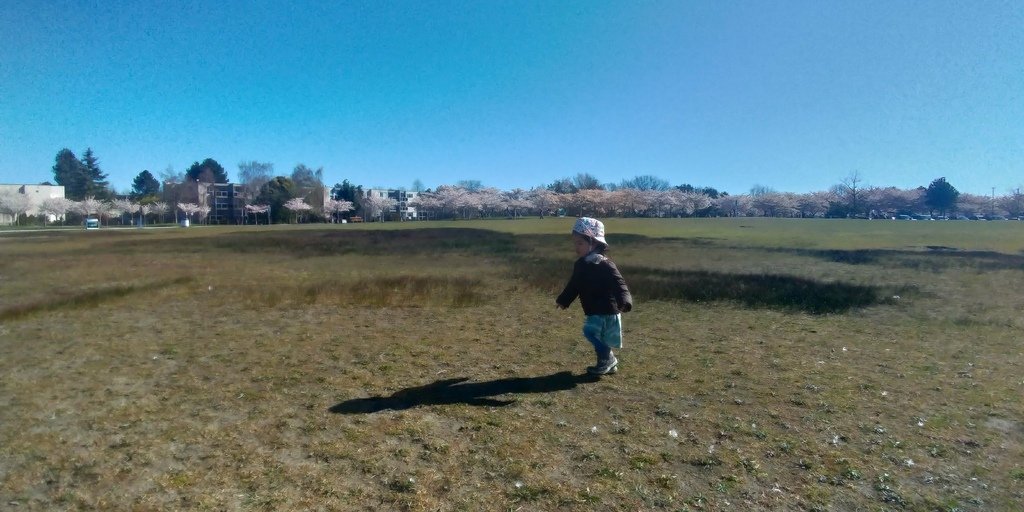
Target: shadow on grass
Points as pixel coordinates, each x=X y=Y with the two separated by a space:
x=87 y=299
x=309 y=243
x=937 y=258
x=769 y=291
x=458 y=391
x=755 y=290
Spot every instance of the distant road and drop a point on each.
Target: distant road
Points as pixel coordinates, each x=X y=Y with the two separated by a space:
x=8 y=232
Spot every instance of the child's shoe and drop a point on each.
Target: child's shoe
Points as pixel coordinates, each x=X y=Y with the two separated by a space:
x=605 y=367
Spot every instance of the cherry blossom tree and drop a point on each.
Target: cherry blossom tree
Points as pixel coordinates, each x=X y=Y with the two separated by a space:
x=693 y=201
x=489 y=200
x=542 y=199
x=159 y=208
x=734 y=206
x=15 y=205
x=189 y=209
x=450 y=198
x=516 y=200
x=813 y=204
x=590 y=200
x=88 y=206
x=375 y=206
x=336 y=206
x=256 y=209
x=470 y=202
x=976 y=205
x=123 y=206
x=298 y=207
x=427 y=204
x=58 y=207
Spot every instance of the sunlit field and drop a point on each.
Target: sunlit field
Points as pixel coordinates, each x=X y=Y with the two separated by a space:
x=768 y=365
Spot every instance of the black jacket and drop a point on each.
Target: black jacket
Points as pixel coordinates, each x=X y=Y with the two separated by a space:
x=599 y=285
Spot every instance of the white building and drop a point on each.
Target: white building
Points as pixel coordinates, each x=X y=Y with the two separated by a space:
x=36 y=195
x=403 y=209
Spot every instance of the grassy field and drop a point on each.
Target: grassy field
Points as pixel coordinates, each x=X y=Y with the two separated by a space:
x=768 y=365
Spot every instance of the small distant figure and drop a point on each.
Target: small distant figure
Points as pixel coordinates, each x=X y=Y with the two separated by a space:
x=602 y=292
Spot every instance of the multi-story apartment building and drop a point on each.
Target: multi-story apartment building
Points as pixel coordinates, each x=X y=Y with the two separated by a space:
x=225 y=201
x=402 y=210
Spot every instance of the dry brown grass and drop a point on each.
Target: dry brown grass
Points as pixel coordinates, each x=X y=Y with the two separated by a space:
x=425 y=370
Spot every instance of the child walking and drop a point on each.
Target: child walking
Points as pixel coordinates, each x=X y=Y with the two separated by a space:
x=602 y=292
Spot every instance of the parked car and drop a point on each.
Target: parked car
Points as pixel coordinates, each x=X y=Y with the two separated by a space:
x=92 y=223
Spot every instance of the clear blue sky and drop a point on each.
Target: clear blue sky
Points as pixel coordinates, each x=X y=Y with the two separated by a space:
x=793 y=95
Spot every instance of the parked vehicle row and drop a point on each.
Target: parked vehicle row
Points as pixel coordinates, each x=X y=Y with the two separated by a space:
x=956 y=217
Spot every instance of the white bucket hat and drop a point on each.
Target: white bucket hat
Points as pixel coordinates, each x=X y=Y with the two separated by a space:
x=592 y=228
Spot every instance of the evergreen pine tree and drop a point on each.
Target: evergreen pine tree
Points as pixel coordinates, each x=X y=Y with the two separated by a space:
x=96 y=184
x=68 y=172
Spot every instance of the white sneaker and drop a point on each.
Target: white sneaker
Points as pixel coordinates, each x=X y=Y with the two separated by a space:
x=610 y=365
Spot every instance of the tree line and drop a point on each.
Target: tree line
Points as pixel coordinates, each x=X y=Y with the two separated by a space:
x=300 y=196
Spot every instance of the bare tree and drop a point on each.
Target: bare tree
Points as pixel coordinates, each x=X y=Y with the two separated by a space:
x=849 y=193
x=252 y=175
x=169 y=175
x=645 y=182
x=470 y=185
x=586 y=181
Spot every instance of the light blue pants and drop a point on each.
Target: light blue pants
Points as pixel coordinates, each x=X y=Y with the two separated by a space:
x=604 y=332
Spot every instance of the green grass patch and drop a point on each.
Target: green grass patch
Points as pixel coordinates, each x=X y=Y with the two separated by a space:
x=768 y=365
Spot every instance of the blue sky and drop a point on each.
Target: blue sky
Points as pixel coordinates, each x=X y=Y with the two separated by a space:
x=793 y=95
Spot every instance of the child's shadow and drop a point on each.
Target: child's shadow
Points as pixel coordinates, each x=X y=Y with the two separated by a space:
x=458 y=391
